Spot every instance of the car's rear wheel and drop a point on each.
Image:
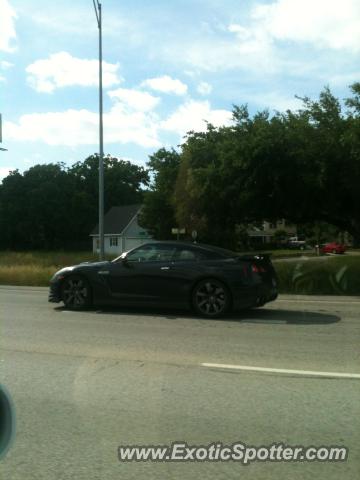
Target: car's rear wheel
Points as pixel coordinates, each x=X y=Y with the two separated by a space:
x=76 y=292
x=211 y=298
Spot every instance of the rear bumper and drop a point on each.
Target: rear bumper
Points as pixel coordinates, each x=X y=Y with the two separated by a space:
x=265 y=294
x=257 y=296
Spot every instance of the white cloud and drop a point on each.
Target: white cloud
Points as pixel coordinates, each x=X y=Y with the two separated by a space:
x=190 y=73
x=34 y=159
x=324 y=23
x=63 y=70
x=253 y=49
x=166 y=84
x=4 y=171
x=71 y=127
x=344 y=79
x=136 y=127
x=204 y=88
x=7 y=26
x=4 y=65
x=80 y=127
x=274 y=101
x=131 y=119
x=249 y=50
x=275 y=37
x=193 y=115
x=140 y=163
x=79 y=21
x=135 y=99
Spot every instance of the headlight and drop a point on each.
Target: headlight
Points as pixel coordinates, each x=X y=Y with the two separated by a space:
x=60 y=274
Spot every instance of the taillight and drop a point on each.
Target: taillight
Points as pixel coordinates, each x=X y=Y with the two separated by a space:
x=257 y=268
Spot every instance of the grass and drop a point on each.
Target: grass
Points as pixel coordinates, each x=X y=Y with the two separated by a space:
x=36 y=268
x=324 y=276
x=45 y=259
x=31 y=275
x=316 y=276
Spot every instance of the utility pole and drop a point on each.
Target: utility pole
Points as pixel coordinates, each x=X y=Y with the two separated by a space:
x=98 y=13
x=1 y=148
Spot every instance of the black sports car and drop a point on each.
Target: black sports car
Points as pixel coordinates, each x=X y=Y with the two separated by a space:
x=210 y=280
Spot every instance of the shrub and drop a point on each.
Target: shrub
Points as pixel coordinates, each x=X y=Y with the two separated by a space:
x=321 y=276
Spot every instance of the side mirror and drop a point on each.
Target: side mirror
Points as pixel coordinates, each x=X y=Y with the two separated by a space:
x=7 y=421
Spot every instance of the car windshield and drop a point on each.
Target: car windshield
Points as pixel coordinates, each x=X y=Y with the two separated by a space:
x=180 y=240
x=120 y=257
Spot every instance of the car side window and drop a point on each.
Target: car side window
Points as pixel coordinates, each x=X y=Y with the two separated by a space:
x=141 y=254
x=151 y=253
x=188 y=255
x=164 y=254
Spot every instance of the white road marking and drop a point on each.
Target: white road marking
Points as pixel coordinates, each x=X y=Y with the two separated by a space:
x=354 y=302
x=282 y=370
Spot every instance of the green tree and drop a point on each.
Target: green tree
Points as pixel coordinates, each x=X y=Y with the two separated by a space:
x=52 y=206
x=205 y=188
x=303 y=166
x=34 y=207
x=158 y=215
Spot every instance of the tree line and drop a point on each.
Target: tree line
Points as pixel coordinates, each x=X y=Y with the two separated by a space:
x=301 y=165
x=52 y=206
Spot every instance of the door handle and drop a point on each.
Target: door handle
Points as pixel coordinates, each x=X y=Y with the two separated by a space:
x=164 y=268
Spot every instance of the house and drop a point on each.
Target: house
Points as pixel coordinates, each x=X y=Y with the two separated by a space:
x=121 y=230
x=265 y=232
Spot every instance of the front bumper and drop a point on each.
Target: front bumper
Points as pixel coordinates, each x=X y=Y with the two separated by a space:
x=55 y=292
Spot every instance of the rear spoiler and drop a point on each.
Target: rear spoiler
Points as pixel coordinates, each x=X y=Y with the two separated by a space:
x=255 y=256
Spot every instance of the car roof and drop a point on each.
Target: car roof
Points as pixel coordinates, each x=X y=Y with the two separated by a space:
x=202 y=246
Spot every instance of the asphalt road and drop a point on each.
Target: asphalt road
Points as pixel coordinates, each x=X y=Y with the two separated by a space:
x=85 y=383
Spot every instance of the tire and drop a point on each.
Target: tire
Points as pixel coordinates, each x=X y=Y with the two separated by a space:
x=76 y=292
x=334 y=251
x=211 y=298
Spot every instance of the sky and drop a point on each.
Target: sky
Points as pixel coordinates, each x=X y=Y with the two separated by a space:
x=168 y=67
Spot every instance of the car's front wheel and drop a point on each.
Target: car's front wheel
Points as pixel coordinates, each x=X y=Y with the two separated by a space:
x=76 y=292
x=211 y=298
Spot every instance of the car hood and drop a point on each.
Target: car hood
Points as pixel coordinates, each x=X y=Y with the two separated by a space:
x=81 y=267
x=92 y=265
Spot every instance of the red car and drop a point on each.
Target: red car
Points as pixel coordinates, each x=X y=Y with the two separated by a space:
x=333 y=247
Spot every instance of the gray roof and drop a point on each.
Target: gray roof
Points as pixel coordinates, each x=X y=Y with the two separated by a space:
x=118 y=218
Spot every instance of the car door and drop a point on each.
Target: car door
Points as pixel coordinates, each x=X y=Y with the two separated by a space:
x=142 y=276
x=188 y=264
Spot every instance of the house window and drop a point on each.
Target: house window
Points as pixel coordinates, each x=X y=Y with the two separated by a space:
x=113 y=241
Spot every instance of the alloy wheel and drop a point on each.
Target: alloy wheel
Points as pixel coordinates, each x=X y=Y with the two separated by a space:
x=211 y=298
x=75 y=293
